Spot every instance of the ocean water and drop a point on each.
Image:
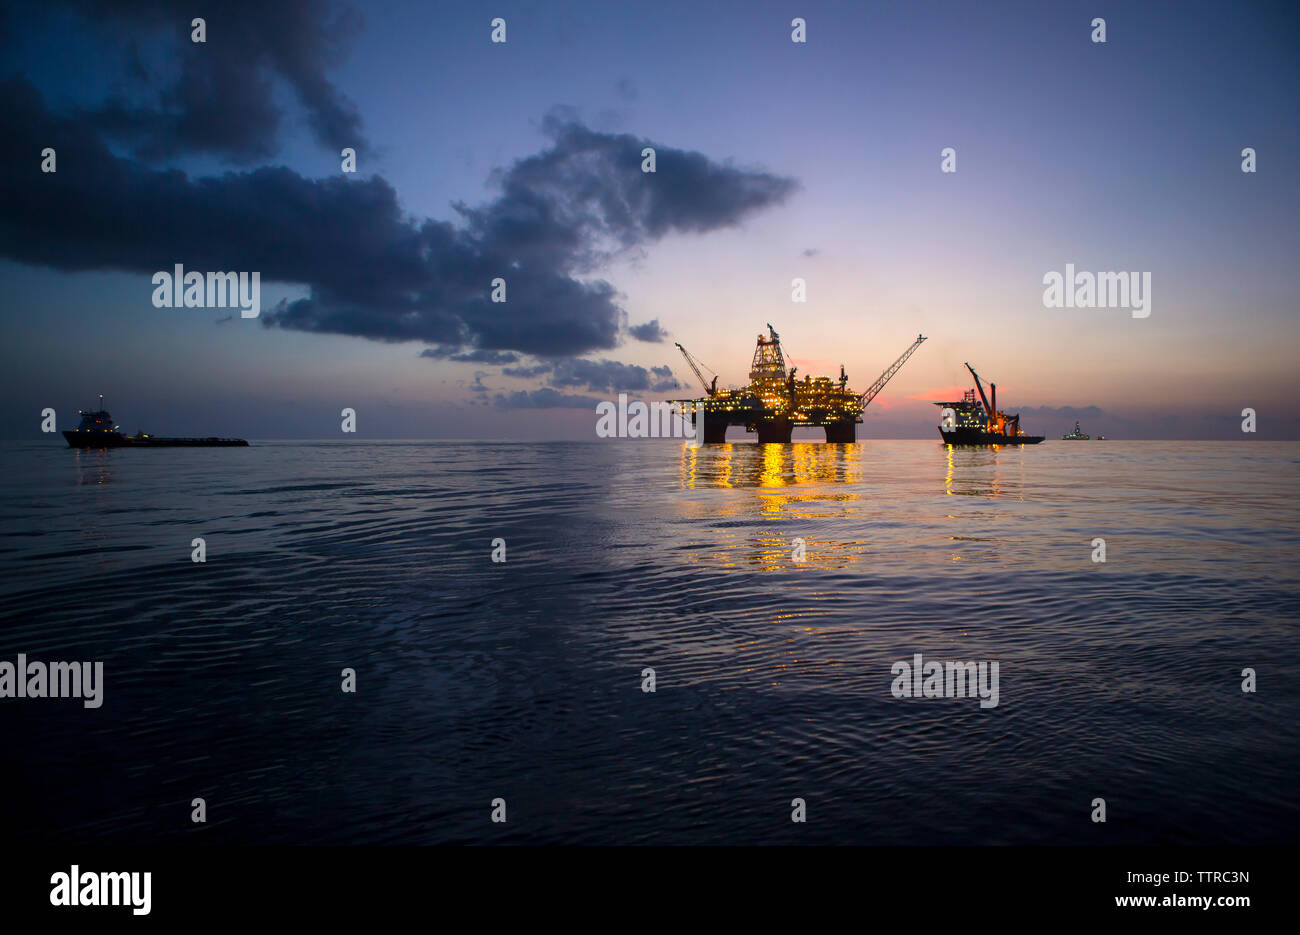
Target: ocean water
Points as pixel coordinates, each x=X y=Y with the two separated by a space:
x=522 y=680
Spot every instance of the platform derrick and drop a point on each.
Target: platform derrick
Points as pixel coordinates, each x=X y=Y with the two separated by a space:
x=776 y=401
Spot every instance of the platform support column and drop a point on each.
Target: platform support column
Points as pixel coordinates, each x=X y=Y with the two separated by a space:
x=775 y=431
x=844 y=433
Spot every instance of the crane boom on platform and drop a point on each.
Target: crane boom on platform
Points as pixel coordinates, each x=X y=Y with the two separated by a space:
x=885 y=377
x=710 y=388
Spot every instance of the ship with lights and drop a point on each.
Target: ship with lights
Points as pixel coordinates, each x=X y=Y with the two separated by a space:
x=98 y=431
x=775 y=401
x=980 y=422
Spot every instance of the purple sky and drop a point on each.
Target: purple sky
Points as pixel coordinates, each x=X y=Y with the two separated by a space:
x=779 y=160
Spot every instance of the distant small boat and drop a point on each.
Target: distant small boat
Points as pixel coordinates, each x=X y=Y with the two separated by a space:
x=98 y=431
x=1077 y=435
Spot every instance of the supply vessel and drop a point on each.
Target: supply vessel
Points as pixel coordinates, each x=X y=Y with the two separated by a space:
x=971 y=422
x=98 y=431
x=775 y=401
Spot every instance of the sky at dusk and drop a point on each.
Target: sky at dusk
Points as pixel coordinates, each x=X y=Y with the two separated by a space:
x=776 y=160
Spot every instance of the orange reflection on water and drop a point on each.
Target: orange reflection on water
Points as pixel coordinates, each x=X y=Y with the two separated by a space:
x=777 y=483
x=974 y=471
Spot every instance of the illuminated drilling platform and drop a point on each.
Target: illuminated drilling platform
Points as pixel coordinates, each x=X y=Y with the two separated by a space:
x=775 y=402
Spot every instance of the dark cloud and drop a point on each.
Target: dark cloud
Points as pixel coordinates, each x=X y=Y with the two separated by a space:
x=473 y=357
x=1062 y=412
x=603 y=376
x=811 y=251
x=649 y=332
x=348 y=239
x=608 y=375
x=527 y=372
x=372 y=271
x=219 y=96
x=665 y=380
x=545 y=398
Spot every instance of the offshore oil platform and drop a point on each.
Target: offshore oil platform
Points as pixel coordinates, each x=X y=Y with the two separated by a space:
x=776 y=402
